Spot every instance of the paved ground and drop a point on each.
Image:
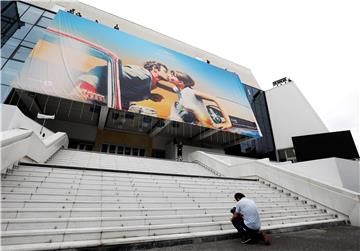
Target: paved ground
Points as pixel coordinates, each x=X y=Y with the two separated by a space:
x=332 y=238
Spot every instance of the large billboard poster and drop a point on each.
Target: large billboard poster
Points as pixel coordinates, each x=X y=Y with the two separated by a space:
x=81 y=60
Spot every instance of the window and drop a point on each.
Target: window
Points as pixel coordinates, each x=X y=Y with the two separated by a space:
x=22 y=8
x=10 y=20
x=127 y=150
x=28 y=44
x=22 y=32
x=104 y=148
x=83 y=146
x=142 y=152
x=9 y=71
x=88 y=147
x=135 y=151
x=15 y=50
x=5 y=90
x=120 y=150
x=112 y=149
x=72 y=145
x=31 y=15
x=44 y=22
x=123 y=150
x=9 y=47
x=22 y=53
x=35 y=34
x=49 y=15
x=156 y=153
x=3 y=61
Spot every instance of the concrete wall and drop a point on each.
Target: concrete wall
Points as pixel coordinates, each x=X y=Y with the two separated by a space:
x=187 y=150
x=19 y=137
x=349 y=172
x=291 y=115
x=159 y=142
x=74 y=130
x=171 y=150
x=333 y=171
x=12 y=118
x=233 y=160
x=334 y=197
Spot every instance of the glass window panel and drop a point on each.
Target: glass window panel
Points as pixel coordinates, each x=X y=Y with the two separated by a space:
x=5 y=90
x=22 y=32
x=120 y=150
x=257 y=108
x=72 y=144
x=8 y=18
x=112 y=149
x=32 y=15
x=135 y=152
x=9 y=47
x=248 y=92
x=10 y=70
x=3 y=61
x=22 y=8
x=49 y=15
x=262 y=110
x=35 y=34
x=88 y=147
x=44 y=22
x=127 y=150
x=104 y=148
x=142 y=152
x=22 y=53
x=28 y=44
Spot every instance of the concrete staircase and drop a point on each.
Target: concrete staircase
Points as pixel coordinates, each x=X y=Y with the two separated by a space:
x=95 y=160
x=46 y=207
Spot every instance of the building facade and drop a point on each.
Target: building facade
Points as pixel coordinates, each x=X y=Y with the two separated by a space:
x=93 y=127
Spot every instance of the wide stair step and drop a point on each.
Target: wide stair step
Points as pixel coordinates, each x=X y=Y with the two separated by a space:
x=108 y=161
x=46 y=208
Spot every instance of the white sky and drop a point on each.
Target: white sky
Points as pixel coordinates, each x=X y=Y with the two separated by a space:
x=316 y=43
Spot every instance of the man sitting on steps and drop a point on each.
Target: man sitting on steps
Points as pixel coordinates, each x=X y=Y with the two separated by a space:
x=246 y=220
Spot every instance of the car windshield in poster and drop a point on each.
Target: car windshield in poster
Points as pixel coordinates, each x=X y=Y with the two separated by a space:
x=81 y=60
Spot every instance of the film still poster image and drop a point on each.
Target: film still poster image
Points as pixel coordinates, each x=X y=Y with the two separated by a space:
x=81 y=60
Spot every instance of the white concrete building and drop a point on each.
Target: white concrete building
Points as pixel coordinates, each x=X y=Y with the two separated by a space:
x=98 y=176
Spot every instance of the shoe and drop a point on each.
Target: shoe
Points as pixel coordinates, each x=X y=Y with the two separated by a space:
x=264 y=238
x=246 y=240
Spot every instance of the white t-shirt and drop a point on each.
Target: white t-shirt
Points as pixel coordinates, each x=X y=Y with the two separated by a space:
x=189 y=101
x=247 y=208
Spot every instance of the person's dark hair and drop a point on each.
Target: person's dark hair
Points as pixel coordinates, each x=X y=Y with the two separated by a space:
x=183 y=77
x=239 y=196
x=150 y=65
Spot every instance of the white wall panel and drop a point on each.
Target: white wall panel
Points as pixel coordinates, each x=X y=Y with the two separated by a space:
x=333 y=171
x=291 y=115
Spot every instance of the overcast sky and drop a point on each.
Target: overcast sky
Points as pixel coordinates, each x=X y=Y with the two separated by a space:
x=315 y=43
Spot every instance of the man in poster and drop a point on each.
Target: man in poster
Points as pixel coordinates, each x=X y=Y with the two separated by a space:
x=136 y=83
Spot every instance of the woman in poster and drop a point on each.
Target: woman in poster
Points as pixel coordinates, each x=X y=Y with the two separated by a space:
x=195 y=107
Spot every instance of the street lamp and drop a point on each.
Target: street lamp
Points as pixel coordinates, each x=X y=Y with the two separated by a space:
x=44 y=117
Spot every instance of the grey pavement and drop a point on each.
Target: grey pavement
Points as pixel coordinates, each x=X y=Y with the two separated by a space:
x=332 y=238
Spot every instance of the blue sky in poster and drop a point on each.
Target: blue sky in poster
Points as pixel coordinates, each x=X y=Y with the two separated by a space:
x=131 y=50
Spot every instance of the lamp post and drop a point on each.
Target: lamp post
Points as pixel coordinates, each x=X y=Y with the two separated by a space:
x=44 y=117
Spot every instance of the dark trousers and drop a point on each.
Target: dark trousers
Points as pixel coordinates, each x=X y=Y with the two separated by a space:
x=244 y=230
